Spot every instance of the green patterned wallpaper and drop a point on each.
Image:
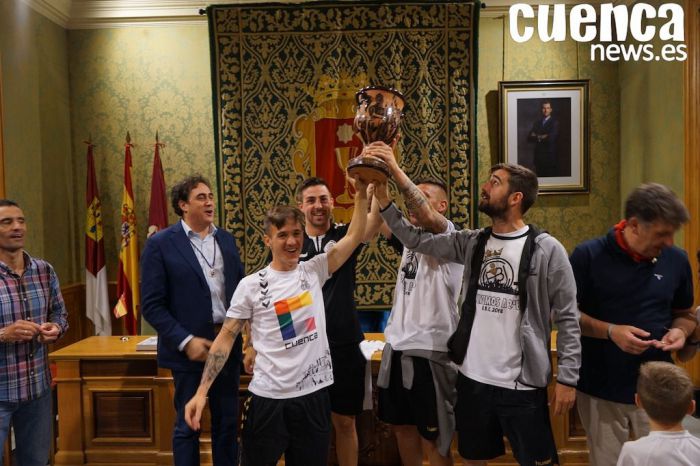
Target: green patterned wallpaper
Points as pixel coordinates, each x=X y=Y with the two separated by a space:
x=652 y=144
x=36 y=134
x=141 y=79
x=61 y=86
x=152 y=78
x=570 y=218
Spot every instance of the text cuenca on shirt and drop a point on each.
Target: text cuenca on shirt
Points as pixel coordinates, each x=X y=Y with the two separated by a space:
x=288 y=327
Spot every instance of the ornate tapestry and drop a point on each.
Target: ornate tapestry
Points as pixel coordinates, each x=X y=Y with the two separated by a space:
x=284 y=83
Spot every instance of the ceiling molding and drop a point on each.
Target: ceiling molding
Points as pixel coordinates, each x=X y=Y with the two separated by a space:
x=57 y=11
x=93 y=14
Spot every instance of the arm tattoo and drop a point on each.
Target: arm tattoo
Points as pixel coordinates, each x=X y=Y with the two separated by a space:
x=416 y=202
x=414 y=197
x=217 y=358
x=215 y=362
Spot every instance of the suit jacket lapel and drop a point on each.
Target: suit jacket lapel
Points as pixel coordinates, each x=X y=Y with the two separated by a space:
x=184 y=247
x=230 y=269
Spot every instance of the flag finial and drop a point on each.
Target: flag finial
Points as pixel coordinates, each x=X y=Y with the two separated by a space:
x=128 y=137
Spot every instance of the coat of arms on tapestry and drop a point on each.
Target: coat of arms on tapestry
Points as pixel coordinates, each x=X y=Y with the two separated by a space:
x=284 y=83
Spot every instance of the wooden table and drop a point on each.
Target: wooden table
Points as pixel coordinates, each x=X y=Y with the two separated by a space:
x=114 y=404
x=115 y=407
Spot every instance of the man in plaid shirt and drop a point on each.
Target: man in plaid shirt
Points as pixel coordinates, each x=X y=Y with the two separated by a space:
x=32 y=315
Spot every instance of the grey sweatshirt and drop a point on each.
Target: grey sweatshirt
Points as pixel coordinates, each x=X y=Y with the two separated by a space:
x=551 y=296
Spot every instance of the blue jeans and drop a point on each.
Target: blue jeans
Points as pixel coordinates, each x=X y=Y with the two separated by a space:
x=31 y=421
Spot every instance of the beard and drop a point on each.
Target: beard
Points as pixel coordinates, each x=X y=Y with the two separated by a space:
x=495 y=210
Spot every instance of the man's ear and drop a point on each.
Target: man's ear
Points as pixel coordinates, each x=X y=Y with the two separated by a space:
x=633 y=223
x=182 y=205
x=637 y=401
x=691 y=407
x=443 y=207
x=267 y=240
x=516 y=197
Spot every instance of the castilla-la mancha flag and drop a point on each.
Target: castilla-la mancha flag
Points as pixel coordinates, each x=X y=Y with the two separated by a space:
x=128 y=274
x=96 y=298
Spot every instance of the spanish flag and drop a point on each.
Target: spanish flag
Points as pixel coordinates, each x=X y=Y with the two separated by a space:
x=128 y=275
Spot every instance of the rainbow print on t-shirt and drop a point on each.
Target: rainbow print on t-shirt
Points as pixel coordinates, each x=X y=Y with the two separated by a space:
x=284 y=308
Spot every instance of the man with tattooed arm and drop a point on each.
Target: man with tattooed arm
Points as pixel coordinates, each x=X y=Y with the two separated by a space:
x=289 y=410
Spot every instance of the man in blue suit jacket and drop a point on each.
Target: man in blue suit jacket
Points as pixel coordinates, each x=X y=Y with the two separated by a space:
x=189 y=272
x=544 y=133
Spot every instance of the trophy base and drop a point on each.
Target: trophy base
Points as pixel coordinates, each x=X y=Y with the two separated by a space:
x=369 y=169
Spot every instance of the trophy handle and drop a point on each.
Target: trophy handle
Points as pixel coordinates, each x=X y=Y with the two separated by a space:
x=343 y=156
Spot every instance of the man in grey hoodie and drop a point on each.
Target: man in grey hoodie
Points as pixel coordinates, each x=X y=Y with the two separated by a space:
x=502 y=341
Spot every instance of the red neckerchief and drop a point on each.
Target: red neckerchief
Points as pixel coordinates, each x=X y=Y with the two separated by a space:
x=620 y=239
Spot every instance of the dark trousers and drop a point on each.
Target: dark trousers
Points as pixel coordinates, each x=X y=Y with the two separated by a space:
x=223 y=406
x=299 y=428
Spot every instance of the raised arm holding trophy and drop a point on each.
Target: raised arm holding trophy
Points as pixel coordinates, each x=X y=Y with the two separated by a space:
x=379 y=112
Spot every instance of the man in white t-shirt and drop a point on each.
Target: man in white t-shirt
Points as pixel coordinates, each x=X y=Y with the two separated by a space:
x=289 y=411
x=423 y=316
x=517 y=281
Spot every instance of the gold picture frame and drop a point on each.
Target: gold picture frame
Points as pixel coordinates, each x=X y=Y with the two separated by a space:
x=544 y=125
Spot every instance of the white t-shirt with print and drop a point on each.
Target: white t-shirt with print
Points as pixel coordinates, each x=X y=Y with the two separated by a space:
x=679 y=448
x=424 y=314
x=494 y=354
x=288 y=327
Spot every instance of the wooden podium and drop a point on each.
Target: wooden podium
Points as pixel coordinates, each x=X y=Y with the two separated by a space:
x=115 y=407
x=114 y=404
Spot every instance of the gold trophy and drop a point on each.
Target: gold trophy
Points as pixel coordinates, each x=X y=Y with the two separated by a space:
x=379 y=112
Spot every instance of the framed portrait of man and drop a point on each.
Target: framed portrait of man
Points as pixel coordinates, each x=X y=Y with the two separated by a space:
x=544 y=127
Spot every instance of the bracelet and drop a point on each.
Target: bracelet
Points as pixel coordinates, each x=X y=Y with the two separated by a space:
x=610 y=327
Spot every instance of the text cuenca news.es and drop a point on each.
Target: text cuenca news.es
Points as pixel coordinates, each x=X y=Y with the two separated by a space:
x=641 y=32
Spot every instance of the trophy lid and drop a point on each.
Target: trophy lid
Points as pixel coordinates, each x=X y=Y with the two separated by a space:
x=370 y=91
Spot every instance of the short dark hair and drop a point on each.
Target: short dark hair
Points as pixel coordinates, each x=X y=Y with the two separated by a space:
x=8 y=203
x=520 y=179
x=434 y=181
x=307 y=183
x=546 y=102
x=665 y=391
x=181 y=191
x=651 y=202
x=278 y=216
